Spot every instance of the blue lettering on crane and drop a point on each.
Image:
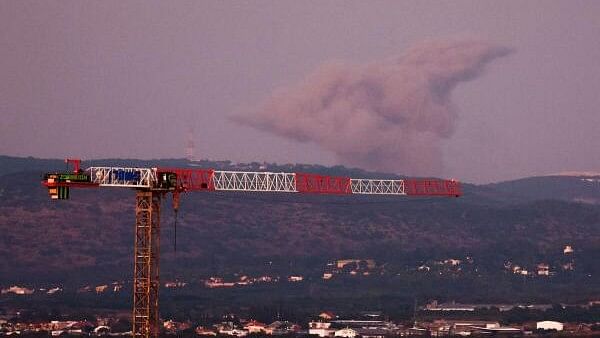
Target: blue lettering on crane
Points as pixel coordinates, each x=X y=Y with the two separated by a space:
x=129 y=176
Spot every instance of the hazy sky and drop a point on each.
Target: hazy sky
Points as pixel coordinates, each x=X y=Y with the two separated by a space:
x=129 y=78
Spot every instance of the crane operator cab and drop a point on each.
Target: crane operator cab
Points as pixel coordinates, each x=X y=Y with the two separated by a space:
x=167 y=181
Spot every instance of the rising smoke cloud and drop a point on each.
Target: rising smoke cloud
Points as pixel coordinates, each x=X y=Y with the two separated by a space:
x=391 y=115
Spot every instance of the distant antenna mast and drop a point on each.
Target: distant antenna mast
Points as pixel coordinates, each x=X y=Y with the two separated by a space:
x=190 y=148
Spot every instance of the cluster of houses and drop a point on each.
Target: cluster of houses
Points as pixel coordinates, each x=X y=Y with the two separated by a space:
x=112 y=287
x=326 y=324
x=342 y=267
x=211 y=282
x=448 y=265
x=369 y=325
x=17 y=290
x=374 y=326
x=460 y=307
x=244 y=328
x=446 y=327
x=175 y=284
x=244 y=280
x=220 y=282
x=22 y=290
x=55 y=328
x=565 y=264
x=351 y=267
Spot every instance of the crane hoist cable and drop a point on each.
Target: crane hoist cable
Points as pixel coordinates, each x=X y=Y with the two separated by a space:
x=175 y=229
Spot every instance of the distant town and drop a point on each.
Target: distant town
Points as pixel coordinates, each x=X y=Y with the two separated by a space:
x=324 y=324
x=430 y=318
x=340 y=268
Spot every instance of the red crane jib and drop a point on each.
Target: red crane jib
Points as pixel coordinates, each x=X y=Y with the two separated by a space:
x=322 y=184
x=202 y=179
x=432 y=187
x=196 y=179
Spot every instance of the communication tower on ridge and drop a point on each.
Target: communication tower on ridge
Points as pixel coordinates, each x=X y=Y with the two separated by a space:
x=190 y=147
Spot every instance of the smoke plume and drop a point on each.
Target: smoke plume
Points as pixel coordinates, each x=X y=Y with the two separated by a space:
x=391 y=115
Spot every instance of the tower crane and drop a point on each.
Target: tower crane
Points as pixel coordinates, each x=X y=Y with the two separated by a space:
x=151 y=185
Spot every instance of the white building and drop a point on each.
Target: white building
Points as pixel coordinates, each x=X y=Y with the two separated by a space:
x=17 y=290
x=347 y=333
x=233 y=332
x=321 y=329
x=549 y=325
x=543 y=269
x=295 y=278
x=101 y=288
x=255 y=327
x=54 y=290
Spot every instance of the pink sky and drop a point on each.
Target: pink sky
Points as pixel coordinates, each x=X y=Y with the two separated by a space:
x=128 y=79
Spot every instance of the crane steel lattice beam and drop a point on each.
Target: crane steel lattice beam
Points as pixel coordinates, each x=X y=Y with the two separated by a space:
x=146 y=268
x=123 y=177
x=254 y=181
x=377 y=187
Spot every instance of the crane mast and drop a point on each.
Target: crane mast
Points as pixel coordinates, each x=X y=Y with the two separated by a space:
x=146 y=273
x=152 y=184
